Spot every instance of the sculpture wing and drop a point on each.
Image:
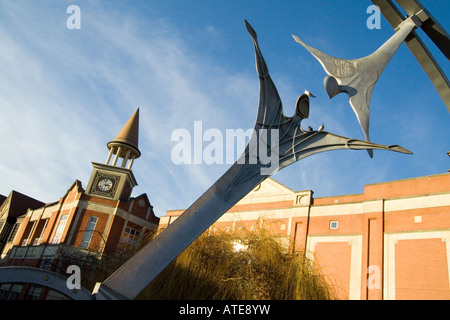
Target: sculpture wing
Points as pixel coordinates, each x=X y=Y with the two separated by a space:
x=322 y=141
x=270 y=109
x=348 y=76
x=369 y=71
x=360 y=103
x=343 y=70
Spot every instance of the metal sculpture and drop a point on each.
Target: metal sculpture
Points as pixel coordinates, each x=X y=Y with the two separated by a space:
x=358 y=77
x=277 y=135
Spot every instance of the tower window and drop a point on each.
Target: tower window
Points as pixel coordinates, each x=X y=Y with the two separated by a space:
x=88 y=233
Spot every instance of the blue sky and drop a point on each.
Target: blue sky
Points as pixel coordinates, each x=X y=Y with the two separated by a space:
x=65 y=93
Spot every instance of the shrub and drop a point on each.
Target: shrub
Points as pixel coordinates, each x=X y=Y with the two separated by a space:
x=223 y=266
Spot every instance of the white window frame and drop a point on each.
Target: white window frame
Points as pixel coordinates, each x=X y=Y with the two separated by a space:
x=132 y=240
x=60 y=228
x=334 y=224
x=25 y=241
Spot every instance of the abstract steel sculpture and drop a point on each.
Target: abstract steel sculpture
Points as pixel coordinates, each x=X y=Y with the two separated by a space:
x=275 y=133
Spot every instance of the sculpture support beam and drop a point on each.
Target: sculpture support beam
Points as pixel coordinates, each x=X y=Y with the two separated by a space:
x=415 y=44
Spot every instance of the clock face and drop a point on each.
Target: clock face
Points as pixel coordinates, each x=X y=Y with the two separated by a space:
x=105 y=184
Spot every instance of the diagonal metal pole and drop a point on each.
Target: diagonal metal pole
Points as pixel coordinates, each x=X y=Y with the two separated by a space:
x=416 y=45
x=283 y=142
x=434 y=30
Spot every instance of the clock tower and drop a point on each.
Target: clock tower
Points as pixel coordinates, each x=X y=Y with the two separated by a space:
x=114 y=179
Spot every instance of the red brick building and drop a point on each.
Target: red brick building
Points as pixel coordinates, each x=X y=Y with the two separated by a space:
x=101 y=218
x=11 y=208
x=390 y=242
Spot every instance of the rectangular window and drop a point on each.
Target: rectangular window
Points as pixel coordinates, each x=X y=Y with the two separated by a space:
x=15 y=291
x=60 y=229
x=46 y=264
x=14 y=232
x=333 y=224
x=39 y=232
x=130 y=239
x=88 y=232
x=28 y=230
x=4 y=289
x=33 y=293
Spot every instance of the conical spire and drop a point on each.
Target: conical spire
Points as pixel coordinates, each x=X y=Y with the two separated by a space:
x=125 y=145
x=130 y=132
